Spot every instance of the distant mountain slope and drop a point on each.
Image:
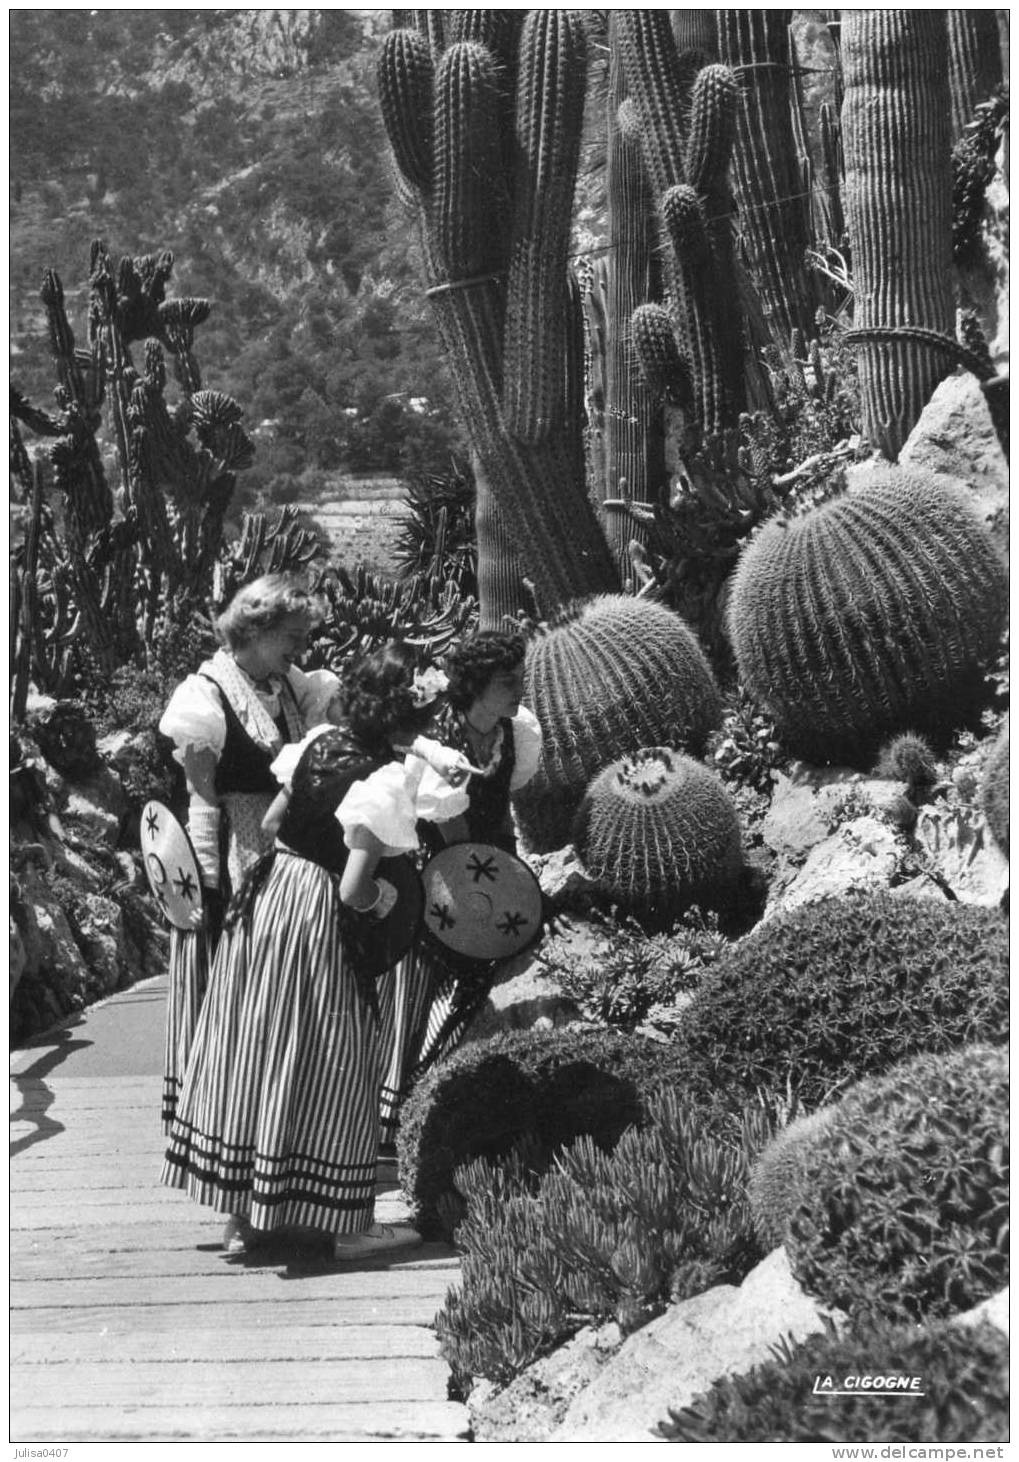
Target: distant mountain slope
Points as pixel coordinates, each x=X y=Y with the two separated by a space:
x=249 y=143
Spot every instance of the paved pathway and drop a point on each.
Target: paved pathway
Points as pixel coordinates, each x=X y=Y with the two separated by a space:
x=129 y=1322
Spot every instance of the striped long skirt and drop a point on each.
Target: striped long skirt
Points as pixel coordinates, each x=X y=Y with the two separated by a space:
x=278 y=1114
x=191 y=954
x=426 y=1007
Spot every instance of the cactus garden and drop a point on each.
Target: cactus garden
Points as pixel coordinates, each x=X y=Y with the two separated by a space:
x=705 y=316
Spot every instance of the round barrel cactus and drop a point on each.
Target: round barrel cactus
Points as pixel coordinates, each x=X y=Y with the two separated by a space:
x=657 y=831
x=994 y=791
x=611 y=675
x=875 y=613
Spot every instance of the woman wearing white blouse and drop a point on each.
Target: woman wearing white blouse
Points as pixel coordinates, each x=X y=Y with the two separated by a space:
x=227 y=723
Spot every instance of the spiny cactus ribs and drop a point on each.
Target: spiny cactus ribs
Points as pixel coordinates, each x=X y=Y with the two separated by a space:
x=612 y=675
x=658 y=831
x=874 y=614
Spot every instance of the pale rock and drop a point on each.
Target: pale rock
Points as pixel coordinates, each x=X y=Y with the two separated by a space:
x=533 y=1403
x=561 y=875
x=98 y=804
x=724 y=1331
x=955 y=438
x=862 y=854
x=525 y=998
x=995 y=1309
x=58 y=950
x=961 y=850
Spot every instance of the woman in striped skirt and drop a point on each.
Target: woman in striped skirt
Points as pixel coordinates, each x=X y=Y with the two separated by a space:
x=500 y=740
x=277 y=1123
x=227 y=722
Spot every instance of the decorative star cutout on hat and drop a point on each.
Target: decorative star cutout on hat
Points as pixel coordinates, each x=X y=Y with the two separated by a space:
x=512 y=924
x=185 y=885
x=441 y=913
x=480 y=868
x=152 y=823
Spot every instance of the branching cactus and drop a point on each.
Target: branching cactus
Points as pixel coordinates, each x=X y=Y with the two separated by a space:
x=874 y=614
x=687 y=134
x=494 y=201
x=112 y=572
x=895 y=133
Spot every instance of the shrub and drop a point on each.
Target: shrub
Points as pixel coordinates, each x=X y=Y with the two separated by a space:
x=876 y=613
x=634 y=974
x=903 y=1202
x=774 y=1181
x=601 y=1235
x=548 y=1088
x=612 y=675
x=965 y=1391
x=994 y=791
x=821 y=996
x=658 y=832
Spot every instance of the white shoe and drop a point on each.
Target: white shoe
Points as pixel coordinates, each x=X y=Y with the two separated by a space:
x=379 y=1239
x=237 y=1235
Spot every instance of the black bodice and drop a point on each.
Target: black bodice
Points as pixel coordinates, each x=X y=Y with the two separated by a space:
x=320 y=782
x=244 y=766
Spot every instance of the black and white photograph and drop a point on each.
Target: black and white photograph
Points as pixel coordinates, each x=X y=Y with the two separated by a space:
x=509 y=722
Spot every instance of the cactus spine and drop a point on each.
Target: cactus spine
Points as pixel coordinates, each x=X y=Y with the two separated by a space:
x=895 y=133
x=507 y=339
x=771 y=192
x=657 y=831
x=634 y=436
x=687 y=167
x=612 y=675
x=873 y=614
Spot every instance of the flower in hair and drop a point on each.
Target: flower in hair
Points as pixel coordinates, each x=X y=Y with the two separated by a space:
x=427 y=685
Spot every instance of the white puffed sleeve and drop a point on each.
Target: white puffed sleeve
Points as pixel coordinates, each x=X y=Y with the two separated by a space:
x=194 y=718
x=434 y=799
x=313 y=690
x=381 y=803
x=526 y=745
x=285 y=765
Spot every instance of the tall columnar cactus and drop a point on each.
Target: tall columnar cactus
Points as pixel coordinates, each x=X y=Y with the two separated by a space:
x=772 y=191
x=687 y=132
x=613 y=675
x=876 y=613
x=494 y=200
x=974 y=62
x=895 y=133
x=633 y=431
x=657 y=832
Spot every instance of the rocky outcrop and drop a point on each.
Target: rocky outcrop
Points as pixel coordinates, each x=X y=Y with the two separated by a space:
x=82 y=923
x=603 y=1388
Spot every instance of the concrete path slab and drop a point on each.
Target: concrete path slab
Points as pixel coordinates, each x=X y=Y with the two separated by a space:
x=128 y=1321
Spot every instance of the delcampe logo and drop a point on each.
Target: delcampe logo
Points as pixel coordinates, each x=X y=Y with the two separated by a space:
x=873 y=1383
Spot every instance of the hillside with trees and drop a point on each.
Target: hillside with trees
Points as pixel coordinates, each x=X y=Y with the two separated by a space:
x=249 y=144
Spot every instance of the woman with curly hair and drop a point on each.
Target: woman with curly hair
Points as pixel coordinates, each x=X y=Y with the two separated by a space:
x=227 y=722
x=277 y=1124
x=500 y=739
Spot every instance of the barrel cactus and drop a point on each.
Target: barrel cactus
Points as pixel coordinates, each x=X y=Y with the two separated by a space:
x=994 y=791
x=657 y=832
x=875 y=613
x=611 y=675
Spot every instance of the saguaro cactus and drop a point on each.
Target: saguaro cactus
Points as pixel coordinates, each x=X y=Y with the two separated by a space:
x=772 y=191
x=895 y=126
x=494 y=199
